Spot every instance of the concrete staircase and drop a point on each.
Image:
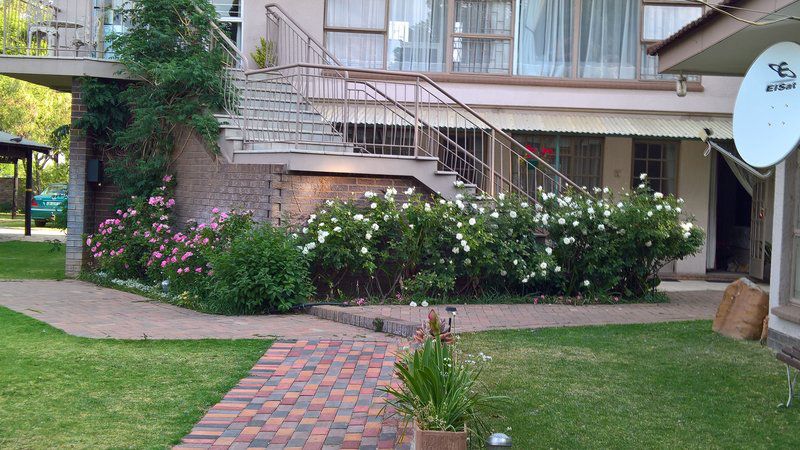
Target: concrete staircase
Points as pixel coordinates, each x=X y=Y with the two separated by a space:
x=282 y=127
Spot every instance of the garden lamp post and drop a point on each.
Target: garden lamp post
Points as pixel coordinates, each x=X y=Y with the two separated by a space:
x=498 y=441
x=452 y=311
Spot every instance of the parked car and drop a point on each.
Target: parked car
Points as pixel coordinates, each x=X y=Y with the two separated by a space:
x=50 y=202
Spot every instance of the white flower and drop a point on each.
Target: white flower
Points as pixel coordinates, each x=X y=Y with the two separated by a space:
x=427 y=207
x=375 y=227
x=503 y=273
x=658 y=195
x=515 y=262
x=358 y=217
x=524 y=204
x=458 y=183
x=642 y=176
x=424 y=304
x=305 y=230
x=586 y=282
x=442 y=201
x=648 y=244
x=525 y=280
x=543 y=265
x=321 y=239
x=513 y=214
x=607 y=213
x=459 y=236
x=601 y=227
x=649 y=213
x=411 y=226
x=369 y=194
x=409 y=191
x=641 y=186
x=368 y=235
x=495 y=215
x=501 y=196
x=405 y=206
x=459 y=225
x=373 y=205
x=311 y=218
x=561 y=221
x=557 y=269
x=385 y=217
x=575 y=223
x=337 y=229
x=467 y=261
x=668 y=208
x=659 y=207
x=364 y=250
x=687 y=226
x=686 y=235
x=456 y=250
x=590 y=211
x=678 y=209
x=472 y=221
x=413 y=304
x=567 y=240
x=466 y=248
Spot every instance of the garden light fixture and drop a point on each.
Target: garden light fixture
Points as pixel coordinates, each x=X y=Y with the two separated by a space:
x=498 y=441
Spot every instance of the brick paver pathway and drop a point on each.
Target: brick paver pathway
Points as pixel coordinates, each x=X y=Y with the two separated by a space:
x=687 y=305
x=83 y=309
x=306 y=395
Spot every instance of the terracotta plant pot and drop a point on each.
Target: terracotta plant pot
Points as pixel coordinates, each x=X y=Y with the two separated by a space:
x=439 y=440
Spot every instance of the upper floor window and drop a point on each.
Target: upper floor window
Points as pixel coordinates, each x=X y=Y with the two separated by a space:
x=589 y=39
x=230 y=18
x=659 y=21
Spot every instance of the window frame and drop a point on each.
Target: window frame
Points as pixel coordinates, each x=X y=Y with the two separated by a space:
x=635 y=176
x=574 y=139
x=644 y=43
x=512 y=39
x=236 y=20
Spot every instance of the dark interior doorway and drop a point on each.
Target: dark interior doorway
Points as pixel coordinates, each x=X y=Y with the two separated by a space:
x=734 y=206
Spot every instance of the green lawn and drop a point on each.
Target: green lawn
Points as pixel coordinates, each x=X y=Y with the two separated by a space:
x=60 y=391
x=7 y=222
x=673 y=385
x=31 y=260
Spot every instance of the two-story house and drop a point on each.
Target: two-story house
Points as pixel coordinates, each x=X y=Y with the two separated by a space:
x=497 y=94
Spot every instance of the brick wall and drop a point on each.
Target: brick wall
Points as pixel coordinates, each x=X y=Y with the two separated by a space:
x=81 y=201
x=205 y=181
x=7 y=189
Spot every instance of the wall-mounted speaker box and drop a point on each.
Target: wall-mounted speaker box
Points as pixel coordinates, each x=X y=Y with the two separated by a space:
x=94 y=171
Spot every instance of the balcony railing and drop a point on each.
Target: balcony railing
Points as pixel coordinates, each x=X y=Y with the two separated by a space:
x=60 y=28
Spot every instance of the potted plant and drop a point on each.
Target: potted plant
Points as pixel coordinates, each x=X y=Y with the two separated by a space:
x=439 y=392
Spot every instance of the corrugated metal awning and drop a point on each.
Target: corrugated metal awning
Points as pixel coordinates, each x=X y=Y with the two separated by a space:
x=589 y=123
x=611 y=124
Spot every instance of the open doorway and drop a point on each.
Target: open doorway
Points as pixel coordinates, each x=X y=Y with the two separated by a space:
x=733 y=221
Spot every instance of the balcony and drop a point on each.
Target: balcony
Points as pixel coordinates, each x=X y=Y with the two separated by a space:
x=49 y=42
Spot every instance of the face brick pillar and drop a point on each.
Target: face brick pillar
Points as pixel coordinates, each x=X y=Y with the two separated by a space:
x=80 y=194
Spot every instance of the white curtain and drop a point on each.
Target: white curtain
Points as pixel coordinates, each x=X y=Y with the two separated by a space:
x=356 y=49
x=609 y=39
x=356 y=14
x=417 y=35
x=544 y=46
x=662 y=21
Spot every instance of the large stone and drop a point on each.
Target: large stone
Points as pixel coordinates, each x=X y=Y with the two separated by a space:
x=742 y=311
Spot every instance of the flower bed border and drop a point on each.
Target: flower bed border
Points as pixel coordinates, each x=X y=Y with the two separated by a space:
x=340 y=314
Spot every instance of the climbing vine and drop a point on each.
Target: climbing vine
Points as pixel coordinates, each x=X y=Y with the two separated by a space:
x=177 y=82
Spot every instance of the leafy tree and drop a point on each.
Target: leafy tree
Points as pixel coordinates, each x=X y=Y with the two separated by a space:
x=167 y=48
x=42 y=115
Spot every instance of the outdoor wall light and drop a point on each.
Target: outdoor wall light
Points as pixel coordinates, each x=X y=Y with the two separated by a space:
x=681 y=87
x=498 y=441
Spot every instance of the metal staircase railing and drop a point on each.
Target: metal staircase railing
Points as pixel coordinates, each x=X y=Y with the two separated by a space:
x=382 y=113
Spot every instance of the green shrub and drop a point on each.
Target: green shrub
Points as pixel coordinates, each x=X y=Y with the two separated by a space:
x=570 y=244
x=263 y=271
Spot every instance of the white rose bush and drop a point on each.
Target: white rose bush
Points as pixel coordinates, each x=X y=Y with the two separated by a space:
x=571 y=244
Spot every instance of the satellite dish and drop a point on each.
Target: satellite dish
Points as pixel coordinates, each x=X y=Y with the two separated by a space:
x=766 y=118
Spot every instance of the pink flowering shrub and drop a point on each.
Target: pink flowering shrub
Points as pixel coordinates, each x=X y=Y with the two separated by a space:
x=183 y=257
x=123 y=244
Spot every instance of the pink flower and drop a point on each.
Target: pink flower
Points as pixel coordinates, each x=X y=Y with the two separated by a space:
x=167 y=178
x=174 y=259
x=214 y=226
x=199 y=270
x=180 y=271
x=119 y=212
x=170 y=203
x=125 y=215
x=164 y=263
x=186 y=256
x=89 y=241
x=215 y=211
x=205 y=240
